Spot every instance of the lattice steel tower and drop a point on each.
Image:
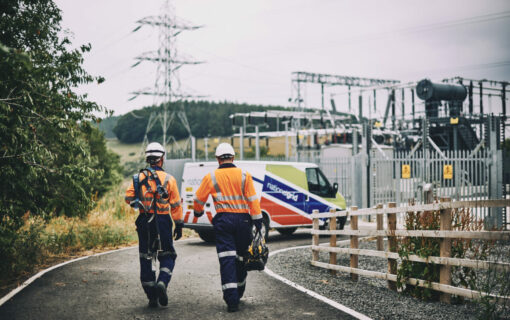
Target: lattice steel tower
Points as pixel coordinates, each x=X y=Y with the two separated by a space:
x=167 y=85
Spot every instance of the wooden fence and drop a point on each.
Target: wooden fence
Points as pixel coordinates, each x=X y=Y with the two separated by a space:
x=445 y=234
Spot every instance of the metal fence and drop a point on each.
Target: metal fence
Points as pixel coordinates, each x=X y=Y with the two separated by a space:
x=460 y=175
x=367 y=180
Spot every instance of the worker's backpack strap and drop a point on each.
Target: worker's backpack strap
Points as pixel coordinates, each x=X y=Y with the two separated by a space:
x=136 y=185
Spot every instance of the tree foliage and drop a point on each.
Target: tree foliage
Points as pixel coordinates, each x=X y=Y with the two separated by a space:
x=52 y=159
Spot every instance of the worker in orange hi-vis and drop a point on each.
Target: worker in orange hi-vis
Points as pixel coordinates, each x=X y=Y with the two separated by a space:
x=154 y=192
x=237 y=211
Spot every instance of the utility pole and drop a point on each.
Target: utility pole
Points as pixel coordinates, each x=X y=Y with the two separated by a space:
x=167 y=83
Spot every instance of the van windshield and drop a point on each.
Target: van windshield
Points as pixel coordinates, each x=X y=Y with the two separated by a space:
x=318 y=183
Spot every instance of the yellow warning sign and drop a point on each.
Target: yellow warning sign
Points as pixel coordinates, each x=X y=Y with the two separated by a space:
x=454 y=120
x=448 y=171
x=406 y=171
x=377 y=124
x=189 y=189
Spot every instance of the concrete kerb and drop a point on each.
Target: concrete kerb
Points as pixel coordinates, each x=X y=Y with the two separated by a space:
x=311 y=293
x=25 y=284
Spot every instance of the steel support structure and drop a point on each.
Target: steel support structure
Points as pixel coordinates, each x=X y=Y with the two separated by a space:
x=166 y=88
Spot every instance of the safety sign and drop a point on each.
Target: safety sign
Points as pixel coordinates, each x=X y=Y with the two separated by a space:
x=406 y=171
x=447 y=172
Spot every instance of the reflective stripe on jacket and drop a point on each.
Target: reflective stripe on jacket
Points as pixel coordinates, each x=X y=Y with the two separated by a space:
x=164 y=206
x=232 y=190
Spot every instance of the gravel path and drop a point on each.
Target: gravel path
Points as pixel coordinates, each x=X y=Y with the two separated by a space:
x=368 y=296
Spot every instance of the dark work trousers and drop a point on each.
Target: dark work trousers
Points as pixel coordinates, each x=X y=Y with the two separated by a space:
x=147 y=247
x=233 y=232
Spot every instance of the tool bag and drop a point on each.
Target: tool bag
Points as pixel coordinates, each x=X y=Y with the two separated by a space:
x=256 y=256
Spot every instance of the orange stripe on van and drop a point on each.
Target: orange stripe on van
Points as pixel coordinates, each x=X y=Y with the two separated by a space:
x=281 y=214
x=209 y=216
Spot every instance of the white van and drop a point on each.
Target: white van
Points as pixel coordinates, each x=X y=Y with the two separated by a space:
x=288 y=193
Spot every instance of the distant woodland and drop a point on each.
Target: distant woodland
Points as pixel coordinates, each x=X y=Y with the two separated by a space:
x=204 y=117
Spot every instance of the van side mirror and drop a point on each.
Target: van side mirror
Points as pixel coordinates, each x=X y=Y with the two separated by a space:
x=335 y=187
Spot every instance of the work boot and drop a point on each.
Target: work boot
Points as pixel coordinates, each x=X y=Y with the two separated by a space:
x=233 y=307
x=162 y=297
x=153 y=297
x=153 y=303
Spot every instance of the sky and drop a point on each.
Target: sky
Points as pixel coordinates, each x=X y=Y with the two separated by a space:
x=250 y=48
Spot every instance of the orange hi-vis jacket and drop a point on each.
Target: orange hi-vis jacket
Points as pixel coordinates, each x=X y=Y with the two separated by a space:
x=232 y=191
x=147 y=196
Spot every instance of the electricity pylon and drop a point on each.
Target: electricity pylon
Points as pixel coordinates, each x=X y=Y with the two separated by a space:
x=167 y=86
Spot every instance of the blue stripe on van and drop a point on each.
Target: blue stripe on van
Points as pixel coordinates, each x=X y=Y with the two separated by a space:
x=257 y=180
x=291 y=196
x=284 y=193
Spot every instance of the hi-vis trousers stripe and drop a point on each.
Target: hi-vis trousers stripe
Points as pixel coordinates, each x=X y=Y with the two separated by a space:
x=223 y=254
x=231 y=285
x=166 y=270
x=148 y=283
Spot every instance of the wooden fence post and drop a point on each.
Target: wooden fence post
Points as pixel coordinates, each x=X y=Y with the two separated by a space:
x=392 y=245
x=445 y=250
x=354 y=243
x=315 y=237
x=379 y=220
x=332 y=241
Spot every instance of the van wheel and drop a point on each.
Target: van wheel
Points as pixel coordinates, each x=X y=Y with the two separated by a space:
x=340 y=223
x=286 y=231
x=207 y=236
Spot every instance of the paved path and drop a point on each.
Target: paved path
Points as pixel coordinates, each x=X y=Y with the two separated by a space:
x=107 y=287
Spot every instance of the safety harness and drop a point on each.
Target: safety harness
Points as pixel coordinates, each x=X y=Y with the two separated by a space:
x=150 y=173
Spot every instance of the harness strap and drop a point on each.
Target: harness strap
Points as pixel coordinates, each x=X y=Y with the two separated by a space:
x=136 y=184
x=161 y=190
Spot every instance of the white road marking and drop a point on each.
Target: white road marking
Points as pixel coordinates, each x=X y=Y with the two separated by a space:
x=314 y=294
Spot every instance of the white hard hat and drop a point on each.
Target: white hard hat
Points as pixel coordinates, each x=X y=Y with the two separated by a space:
x=154 y=149
x=224 y=149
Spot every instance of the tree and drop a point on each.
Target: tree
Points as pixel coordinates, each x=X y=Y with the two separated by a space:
x=49 y=153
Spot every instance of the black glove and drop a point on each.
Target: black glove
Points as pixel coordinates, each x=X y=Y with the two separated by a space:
x=258 y=224
x=198 y=214
x=178 y=231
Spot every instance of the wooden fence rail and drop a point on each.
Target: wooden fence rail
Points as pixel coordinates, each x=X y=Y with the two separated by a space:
x=445 y=234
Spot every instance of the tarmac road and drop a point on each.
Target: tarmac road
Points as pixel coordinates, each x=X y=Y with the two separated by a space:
x=108 y=287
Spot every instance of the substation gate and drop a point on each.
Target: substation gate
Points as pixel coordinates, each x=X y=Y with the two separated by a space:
x=370 y=178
